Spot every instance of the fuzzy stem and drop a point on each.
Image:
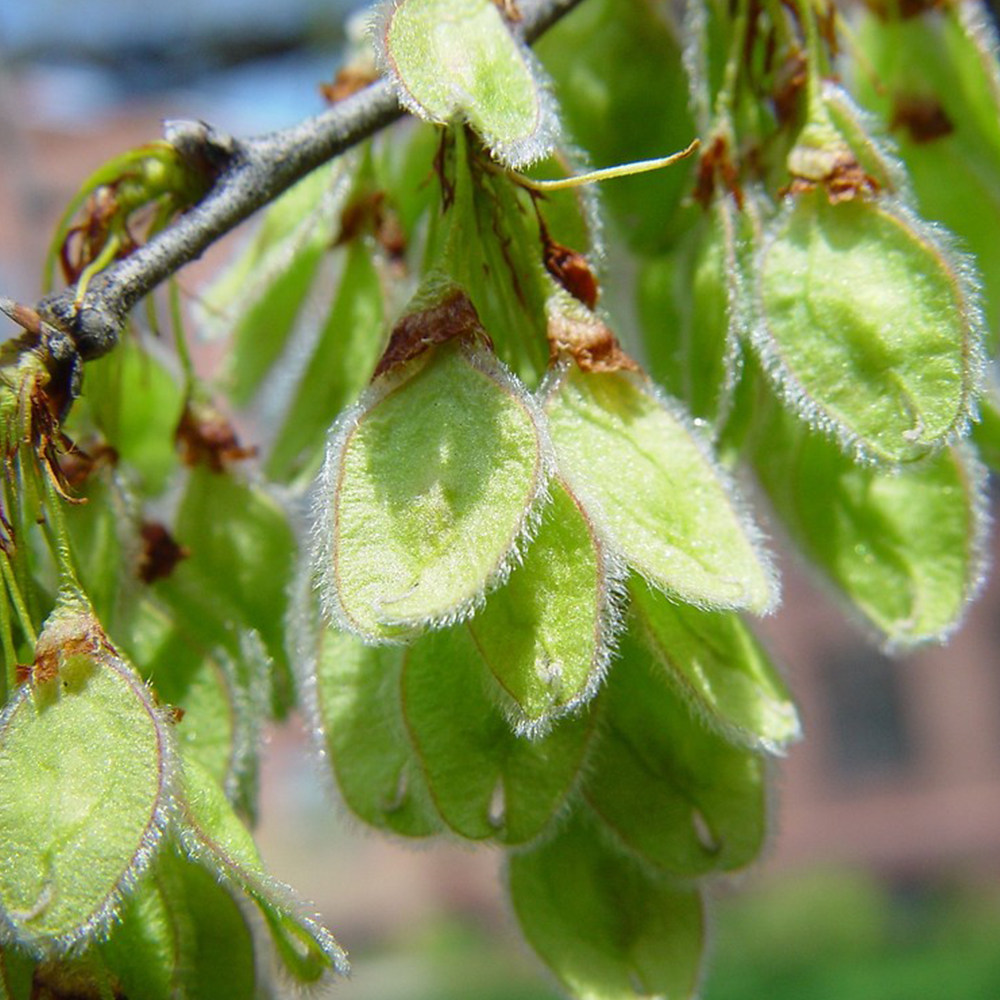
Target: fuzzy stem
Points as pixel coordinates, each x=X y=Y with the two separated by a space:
x=252 y=174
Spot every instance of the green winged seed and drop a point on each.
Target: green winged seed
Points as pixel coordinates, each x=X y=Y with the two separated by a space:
x=142 y=950
x=484 y=781
x=16 y=974
x=260 y=297
x=456 y=60
x=236 y=532
x=905 y=548
x=546 y=634
x=224 y=702
x=429 y=485
x=182 y=935
x=693 y=303
x=723 y=673
x=85 y=775
x=239 y=533
x=672 y=792
x=342 y=360
x=606 y=926
x=218 y=958
x=136 y=403
x=352 y=694
x=213 y=835
x=869 y=326
x=933 y=72
x=652 y=489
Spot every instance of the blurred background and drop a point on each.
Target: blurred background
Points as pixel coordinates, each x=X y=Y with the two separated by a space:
x=883 y=875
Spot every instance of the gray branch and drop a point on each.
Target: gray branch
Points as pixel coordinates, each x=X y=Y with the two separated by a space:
x=253 y=173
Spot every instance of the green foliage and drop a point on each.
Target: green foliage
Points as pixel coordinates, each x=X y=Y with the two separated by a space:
x=905 y=547
x=483 y=779
x=545 y=635
x=427 y=488
x=518 y=614
x=893 y=352
x=678 y=796
x=86 y=767
x=654 y=491
x=475 y=71
x=603 y=924
x=719 y=667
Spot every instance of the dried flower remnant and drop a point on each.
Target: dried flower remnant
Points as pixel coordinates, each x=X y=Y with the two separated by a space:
x=77 y=465
x=349 y=81
x=840 y=176
x=790 y=82
x=716 y=169
x=454 y=317
x=160 y=552
x=370 y=213
x=132 y=197
x=571 y=269
x=205 y=437
x=923 y=117
x=585 y=337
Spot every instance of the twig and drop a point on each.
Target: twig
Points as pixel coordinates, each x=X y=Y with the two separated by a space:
x=252 y=173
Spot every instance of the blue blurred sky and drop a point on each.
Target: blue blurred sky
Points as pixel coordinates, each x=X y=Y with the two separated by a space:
x=109 y=24
x=248 y=65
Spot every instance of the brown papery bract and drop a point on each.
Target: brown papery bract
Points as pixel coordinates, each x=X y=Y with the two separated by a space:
x=454 y=317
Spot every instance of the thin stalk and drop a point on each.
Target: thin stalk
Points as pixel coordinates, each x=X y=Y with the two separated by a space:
x=9 y=675
x=607 y=173
x=725 y=101
x=180 y=340
x=108 y=253
x=57 y=536
x=27 y=507
x=815 y=58
x=784 y=33
x=17 y=599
